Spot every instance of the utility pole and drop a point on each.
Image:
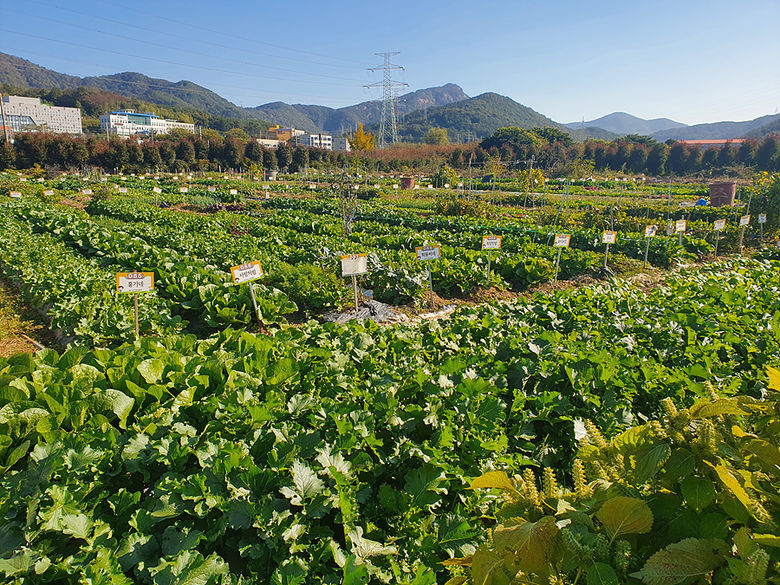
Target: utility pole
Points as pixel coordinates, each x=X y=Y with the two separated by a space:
x=388 y=126
x=2 y=113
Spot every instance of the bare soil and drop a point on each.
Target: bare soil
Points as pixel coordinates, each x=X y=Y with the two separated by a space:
x=20 y=326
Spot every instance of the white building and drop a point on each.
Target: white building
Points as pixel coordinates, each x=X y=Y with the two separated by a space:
x=267 y=142
x=316 y=140
x=28 y=114
x=130 y=123
x=341 y=143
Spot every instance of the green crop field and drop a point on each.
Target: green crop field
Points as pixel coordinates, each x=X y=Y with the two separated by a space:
x=571 y=415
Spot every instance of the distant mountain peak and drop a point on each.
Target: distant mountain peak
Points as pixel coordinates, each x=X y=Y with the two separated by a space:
x=623 y=123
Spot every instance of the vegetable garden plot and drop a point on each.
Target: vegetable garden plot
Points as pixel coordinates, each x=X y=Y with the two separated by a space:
x=336 y=452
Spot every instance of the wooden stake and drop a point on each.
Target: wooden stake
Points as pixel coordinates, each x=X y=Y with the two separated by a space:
x=355 y=290
x=254 y=303
x=557 y=266
x=135 y=307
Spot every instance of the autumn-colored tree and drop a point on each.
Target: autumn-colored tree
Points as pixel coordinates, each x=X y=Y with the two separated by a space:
x=436 y=135
x=362 y=140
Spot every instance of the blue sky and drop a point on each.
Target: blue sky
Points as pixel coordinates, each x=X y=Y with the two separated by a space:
x=693 y=61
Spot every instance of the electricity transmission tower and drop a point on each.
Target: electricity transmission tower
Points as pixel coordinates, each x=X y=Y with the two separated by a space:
x=388 y=126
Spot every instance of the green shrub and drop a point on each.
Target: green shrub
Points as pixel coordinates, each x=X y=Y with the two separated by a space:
x=310 y=287
x=692 y=497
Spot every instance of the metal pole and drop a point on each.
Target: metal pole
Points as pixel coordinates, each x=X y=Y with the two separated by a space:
x=741 y=238
x=761 y=227
x=430 y=283
x=135 y=307
x=355 y=290
x=557 y=266
x=647 y=250
x=2 y=113
x=254 y=302
x=488 y=270
x=717 y=241
x=606 y=255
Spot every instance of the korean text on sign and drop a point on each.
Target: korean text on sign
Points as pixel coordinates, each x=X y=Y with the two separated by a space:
x=354 y=264
x=246 y=272
x=428 y=252
x=491 y=242
x=134 y=282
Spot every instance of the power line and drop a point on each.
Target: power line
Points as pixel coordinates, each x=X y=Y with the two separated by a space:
x=182 y=50
x=124 y=54
x=388 y=126
x=173 y=87
x=180 y=22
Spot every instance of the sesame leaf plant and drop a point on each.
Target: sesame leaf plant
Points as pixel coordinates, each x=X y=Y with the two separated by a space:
x=691 y=497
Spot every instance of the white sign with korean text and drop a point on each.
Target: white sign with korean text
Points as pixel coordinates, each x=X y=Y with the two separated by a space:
x=246 y=272
x=354 y=264
x=428 y=252
x=134 y=282
x=491 y=242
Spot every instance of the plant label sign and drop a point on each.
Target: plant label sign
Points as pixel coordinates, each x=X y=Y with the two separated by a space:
x=15 y=194
x=608 y=237
x=428 y=252
x=212 y=189
x=744 y=220
x=762 y=218
x=562 y=241
x=48 y=192
x=234 y=192
x=720 y=225
x=134 y=282
x=491 y=242
x=680 y=225
x=123 y=189
x=650 y=231
x=246 y=272
x=354 y=264
x=183 y=189
x=157 y=190
x=86 y=192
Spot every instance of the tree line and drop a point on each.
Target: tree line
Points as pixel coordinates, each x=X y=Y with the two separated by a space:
x=551 y=150
x=176 y=154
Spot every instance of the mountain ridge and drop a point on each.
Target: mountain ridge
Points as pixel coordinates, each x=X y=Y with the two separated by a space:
x=623 y=123
x=717 y=130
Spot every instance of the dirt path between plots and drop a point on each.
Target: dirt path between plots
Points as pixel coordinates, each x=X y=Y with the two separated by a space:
x=21 y=329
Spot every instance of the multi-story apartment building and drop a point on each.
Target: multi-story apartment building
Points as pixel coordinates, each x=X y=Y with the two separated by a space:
x=316 y=140
x=28 y=114
x=130 y=123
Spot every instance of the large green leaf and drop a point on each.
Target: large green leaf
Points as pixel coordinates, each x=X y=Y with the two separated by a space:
x=650 y=460
x=494 y=479
x=622 y=515
x=677 y=562
x=423 y=484
x=488 y=568
x=601 y=574
x=697 y=491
